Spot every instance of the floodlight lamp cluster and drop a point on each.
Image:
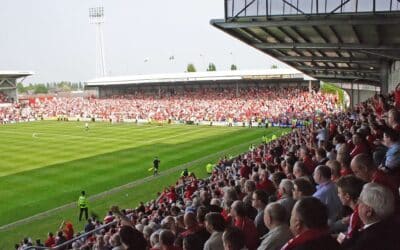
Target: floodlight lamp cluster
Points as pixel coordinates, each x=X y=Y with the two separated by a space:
x=96 y=15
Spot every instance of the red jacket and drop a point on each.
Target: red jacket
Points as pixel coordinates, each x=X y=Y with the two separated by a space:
x=267 y=186
x=250 y=232
x=359 y=149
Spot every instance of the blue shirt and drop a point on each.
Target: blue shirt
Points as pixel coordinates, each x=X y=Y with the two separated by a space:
x=327 y=194
x=393 y=157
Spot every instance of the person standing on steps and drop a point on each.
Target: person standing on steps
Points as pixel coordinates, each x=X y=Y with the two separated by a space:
x=83 y=205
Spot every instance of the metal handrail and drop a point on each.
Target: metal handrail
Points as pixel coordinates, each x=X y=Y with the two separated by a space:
x=74 y=239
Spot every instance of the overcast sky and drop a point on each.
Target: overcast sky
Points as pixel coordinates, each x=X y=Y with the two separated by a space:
x=54 y=39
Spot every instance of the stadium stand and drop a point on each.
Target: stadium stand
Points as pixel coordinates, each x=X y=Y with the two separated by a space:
x=4 y=98
x=218 y=105
x=200 y=213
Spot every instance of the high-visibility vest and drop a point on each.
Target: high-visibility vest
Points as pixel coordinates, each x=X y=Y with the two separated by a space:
x=209 y=168
x=82 y=201
x=188 y=173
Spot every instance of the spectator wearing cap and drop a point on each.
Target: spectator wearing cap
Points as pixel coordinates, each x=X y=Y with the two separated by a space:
x=376 y=206
x=308 y=224
x=327 y=192
x=275 y=219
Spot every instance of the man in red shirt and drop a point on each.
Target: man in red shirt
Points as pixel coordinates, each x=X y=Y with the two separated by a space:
x=349 y=189
x=364 y=168
x=192 y=228
x=265 y=184
x=308 y=162
x=360 y=145
x=247 y=226
x=245 y=170
x=309 y=225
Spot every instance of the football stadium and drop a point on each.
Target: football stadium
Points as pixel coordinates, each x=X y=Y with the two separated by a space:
x=305 y=156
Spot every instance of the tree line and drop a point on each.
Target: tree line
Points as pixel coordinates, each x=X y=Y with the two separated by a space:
x=50 y=87
x=211 y=67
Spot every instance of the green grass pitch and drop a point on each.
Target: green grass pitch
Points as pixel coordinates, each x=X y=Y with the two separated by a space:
x=45 y=165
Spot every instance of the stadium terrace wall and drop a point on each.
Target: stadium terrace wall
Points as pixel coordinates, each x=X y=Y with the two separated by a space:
x=109 y=90
x=176 y=122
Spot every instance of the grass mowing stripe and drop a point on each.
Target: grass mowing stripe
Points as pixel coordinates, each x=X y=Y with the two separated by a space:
x=135 y=183
x=101 y=169
x=87 y=142
x=125 y=198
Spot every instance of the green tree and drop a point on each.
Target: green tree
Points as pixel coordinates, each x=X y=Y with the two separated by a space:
x=330 y=88
x=233 y=67
x=274 y=66
x=21 y=88
x=211 y=67
x=40 y=89
x=64 y=86
x=190 y=68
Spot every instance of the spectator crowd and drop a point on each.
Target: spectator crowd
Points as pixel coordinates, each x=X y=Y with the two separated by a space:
x=331 y=185
x=189 y=105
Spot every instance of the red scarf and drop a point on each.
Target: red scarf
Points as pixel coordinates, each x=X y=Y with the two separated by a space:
x=304 y=237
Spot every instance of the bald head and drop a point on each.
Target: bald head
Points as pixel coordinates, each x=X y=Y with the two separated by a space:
x=238 y=208
x=363 y=167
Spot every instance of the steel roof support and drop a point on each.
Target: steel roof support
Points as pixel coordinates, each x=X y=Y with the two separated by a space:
x=325 y=46
x=327 y=59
